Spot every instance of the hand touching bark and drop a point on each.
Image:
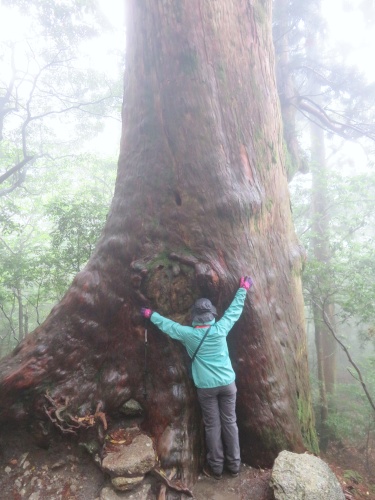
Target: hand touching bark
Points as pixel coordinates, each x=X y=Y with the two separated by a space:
x=246 y=282
x=146 y=313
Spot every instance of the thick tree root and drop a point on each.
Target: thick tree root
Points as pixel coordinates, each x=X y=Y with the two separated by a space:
x=67 y=423
x=173 y=485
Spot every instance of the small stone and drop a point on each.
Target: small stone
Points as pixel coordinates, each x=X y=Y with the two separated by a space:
x=109 y=494
x=126 y=483
x=132 y=408
x=23 y=458
x=58 y=464
x=139 y=493
x=8 y=470
x=34 y=496
x=25 y=464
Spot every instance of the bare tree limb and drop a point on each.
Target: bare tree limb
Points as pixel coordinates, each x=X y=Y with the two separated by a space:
x=16 y=168
x=9 y=319
x=346 y=130
x=350 y=359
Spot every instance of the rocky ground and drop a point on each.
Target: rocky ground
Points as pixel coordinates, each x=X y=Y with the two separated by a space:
x=66 y=471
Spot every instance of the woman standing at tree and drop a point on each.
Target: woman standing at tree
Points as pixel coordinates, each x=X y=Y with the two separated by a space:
x=213 y=375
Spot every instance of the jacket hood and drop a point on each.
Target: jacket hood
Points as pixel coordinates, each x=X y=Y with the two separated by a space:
x=203 y=311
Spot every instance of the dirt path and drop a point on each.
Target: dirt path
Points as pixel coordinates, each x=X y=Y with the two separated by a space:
x=66 y=471
x=251 y=484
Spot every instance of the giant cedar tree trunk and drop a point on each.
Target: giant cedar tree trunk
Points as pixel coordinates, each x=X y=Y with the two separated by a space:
x=201 y=198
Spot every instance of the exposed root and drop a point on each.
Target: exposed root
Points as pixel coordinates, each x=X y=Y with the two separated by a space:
x=67 y=423
x=173 y=485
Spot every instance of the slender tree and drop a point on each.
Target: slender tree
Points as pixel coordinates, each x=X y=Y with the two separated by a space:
x=201 y=197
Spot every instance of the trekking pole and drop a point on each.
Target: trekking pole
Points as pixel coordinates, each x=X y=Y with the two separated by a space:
x=145 y=365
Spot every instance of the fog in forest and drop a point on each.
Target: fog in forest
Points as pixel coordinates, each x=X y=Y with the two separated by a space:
x=60 y=124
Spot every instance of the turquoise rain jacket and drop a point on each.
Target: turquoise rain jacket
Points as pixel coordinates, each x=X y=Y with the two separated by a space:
x=212 y=366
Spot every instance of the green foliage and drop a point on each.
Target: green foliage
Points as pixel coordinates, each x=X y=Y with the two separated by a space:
x=348 y=276
x=346 y=279
x=352 y=475
x=55 y=97
x=76 y=226
x=47 y=237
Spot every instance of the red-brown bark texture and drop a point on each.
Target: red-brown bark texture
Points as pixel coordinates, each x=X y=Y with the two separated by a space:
x=201 y=198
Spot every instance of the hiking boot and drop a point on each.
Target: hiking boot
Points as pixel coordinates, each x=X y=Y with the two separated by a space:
x=233 y=473
x=207 y=471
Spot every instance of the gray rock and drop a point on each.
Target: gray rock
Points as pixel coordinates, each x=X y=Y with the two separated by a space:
x=109 y=494
x=140 y=493
x=58 y=464
x=303 y=477
x=132 y=408
x=126 y=483
x=35 y=495
x=134 y=459
x=22 y=459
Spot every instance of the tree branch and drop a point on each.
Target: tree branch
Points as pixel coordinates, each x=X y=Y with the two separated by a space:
x=350 y=359
x=342 y=129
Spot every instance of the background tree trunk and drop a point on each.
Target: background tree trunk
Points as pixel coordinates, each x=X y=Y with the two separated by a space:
x=283 y=27
x=326 y=345
x=21 y=328
x=201 y=198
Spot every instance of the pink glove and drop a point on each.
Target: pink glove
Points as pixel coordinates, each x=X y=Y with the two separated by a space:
x=146 y=313
x=246 y=282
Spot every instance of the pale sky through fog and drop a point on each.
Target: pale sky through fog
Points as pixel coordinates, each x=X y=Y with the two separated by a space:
x=349 y=28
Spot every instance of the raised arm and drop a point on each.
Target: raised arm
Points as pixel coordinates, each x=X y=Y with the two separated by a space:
x=234 y=311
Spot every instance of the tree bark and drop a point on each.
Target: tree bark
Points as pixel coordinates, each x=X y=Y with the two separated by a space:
x=201 y=198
